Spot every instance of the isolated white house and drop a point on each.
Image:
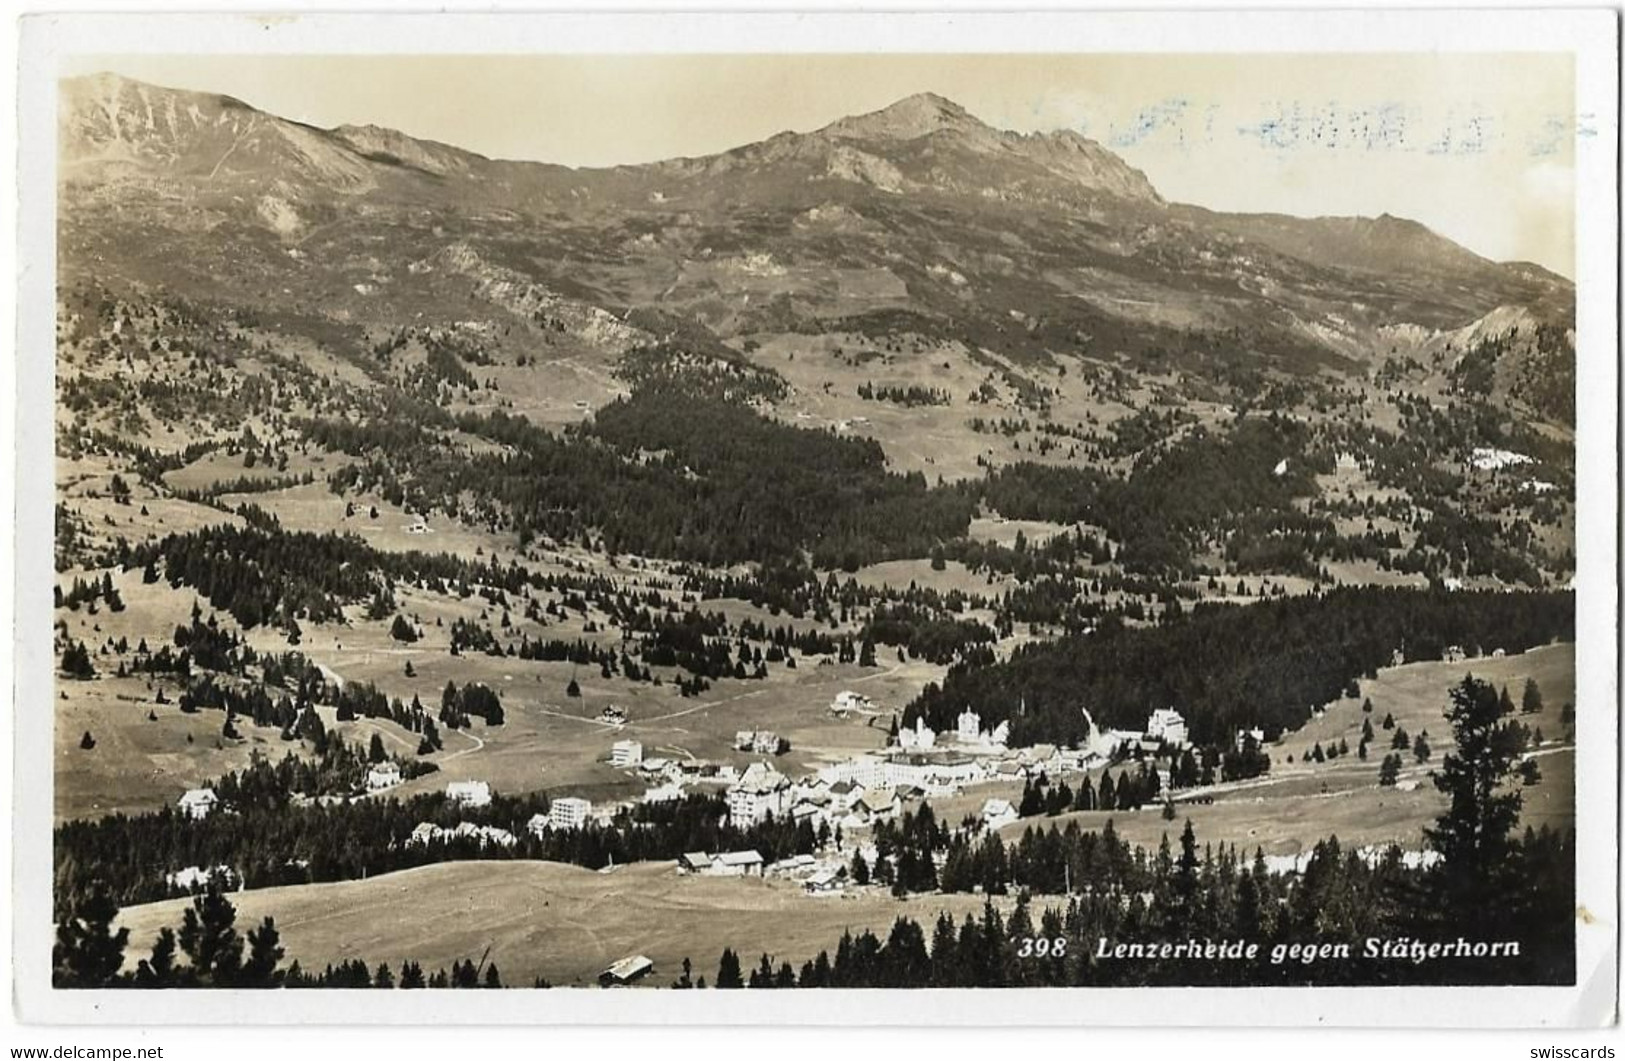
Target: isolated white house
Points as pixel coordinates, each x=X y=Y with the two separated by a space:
x=626 y=971
x=847 y=700
x=383 y=775
x=625 y=753
x=199 y=802
x=761 y=741
x=997 y=813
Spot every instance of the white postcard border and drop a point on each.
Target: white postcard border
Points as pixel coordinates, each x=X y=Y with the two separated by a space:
x=1591 y=35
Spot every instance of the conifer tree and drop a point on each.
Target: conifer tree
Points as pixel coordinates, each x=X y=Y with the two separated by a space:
x=264 y=955
x=158 y=969
x=88 y=953
x=728 y=972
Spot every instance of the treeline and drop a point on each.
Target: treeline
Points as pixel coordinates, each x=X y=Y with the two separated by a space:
x=265 y=576
x=1233 y=667
x=1198 y=895
x=667 y=472
x=1180 y=496
x=909 y=396
x=267 y=837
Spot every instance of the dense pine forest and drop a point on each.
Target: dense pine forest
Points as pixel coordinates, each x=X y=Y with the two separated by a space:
x=1228 y=667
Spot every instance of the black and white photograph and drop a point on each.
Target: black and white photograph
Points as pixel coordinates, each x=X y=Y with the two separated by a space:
x=603 y=522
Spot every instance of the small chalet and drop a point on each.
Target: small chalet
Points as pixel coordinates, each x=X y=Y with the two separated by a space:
x=199 y=802
x=626 y=971
x=997 y=813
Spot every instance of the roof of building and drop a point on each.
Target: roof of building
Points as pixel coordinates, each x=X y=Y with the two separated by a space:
x=629 y=967
x=996 y=807
x=198 y=795
x=739 y=858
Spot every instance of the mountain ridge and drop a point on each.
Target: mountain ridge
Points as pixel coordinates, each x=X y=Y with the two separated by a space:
x=918 y=207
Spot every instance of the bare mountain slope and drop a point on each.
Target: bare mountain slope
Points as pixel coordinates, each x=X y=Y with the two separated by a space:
x=916 y=218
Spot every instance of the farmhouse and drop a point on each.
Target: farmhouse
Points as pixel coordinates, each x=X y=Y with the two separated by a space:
x=997 y=813
x=847 y=701
x=1012 y=770
x=738 y=864
x=726 y=864
x=761 y=741
x=793 y=866
x=824 y=882
x=625 y=753
x=568 y=812
x=657 y=767
x=670 y=792
x=469 y=793
x=813 y=788
x=626 y=971
x=1255 y=733
x=807 y=810
x=195 y=877
x=198 y=802
x=843 y=794
x=858 y=816
x=383 y=775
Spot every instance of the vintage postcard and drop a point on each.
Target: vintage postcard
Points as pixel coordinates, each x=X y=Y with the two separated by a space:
x=613 y=508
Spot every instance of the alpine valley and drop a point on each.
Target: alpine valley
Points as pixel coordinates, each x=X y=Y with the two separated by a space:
x=905 y=524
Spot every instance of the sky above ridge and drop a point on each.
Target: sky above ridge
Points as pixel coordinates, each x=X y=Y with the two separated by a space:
x=1479 y=147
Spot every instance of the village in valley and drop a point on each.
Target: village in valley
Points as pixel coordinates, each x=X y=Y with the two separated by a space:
x=793 y=567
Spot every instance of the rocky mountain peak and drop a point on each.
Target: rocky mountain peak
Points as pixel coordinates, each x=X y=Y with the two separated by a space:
x=908 y=119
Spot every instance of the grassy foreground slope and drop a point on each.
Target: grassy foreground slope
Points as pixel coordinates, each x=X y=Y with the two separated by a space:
x=563 y=923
